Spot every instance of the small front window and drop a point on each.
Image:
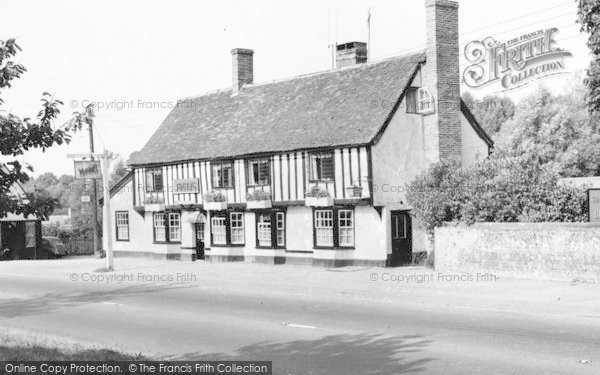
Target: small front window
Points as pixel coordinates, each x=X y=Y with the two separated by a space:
x=222 y=175
x=219 y=231
x=264 y=230
x=154 y=180
x=174 y=227
x=346 y=227
x=237 y=228
x=324 y=227
x=259 y=172
x=122 y=218
x=160 y=230
x=321 y=167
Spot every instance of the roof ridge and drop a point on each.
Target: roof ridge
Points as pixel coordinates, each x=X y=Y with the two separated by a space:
x=308 y=75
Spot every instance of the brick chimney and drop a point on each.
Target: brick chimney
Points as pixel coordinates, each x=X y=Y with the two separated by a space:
x=243 y=68
x=351 y=53
x=441 y=76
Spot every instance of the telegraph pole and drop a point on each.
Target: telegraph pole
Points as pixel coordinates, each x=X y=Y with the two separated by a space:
x=94 y=199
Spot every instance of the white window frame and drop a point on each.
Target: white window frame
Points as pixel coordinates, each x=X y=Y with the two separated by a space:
x=324 y=228
x=236 y=228
x=218 y=176
x=346 y=228
x=174 y=227
x=316 y=167
x=158 y=221
x=122 y=224
x=218 y=229
x=264 y=230
x=263 y=174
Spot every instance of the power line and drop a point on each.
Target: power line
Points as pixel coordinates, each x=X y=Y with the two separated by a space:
x=423 y=46
x=520 y=17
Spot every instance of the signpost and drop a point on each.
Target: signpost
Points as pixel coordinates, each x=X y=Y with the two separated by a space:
x=85 y=167
x=594 y=205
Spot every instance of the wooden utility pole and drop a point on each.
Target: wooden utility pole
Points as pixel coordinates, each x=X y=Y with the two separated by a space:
x=94 y=199
x=105 y=159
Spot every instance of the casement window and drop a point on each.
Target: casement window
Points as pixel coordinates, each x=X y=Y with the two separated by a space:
x=270 y=228
x=154 y=180
x=219 y=230
x=167 y=227
x=334 y=227
x=419 y=100
x=346 y=227
x=227 y=229
x=321 y=166
x=160 y=229
x=174 y=227
x=324 y=227
x=222 y=174
x=259 y=172
x=237 y=228
x=122 y=223
x=264 y=232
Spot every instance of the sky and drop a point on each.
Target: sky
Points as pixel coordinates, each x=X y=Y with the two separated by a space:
x=135 y=59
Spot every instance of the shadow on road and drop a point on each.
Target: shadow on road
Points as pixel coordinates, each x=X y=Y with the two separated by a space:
x=334 y=354
x=46 y=303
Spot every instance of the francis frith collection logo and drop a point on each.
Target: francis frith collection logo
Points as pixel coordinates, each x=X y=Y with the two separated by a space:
x=514 y=63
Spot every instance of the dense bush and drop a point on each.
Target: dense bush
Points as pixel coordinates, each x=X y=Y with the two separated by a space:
x=498 y=189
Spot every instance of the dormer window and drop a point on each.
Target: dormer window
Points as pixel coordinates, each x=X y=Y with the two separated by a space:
x=419 y=100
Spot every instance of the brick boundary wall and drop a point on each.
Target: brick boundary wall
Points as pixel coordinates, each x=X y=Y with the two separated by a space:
x=543 y=251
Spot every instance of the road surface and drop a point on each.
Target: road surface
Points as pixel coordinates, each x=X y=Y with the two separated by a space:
x=306 y=320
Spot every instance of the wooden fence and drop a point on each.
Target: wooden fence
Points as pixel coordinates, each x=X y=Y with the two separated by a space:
x=80 y=246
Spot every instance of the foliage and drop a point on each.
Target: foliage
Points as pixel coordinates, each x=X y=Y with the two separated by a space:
x=317 y=192
x=498 y=189
x=589 y=17
x=18 y=135
x=118 y=171
x=491 y=112
x=259 y=195
x=215 y=196
x=555 y=131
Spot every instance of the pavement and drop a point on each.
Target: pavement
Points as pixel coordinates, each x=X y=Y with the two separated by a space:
x=352 y=320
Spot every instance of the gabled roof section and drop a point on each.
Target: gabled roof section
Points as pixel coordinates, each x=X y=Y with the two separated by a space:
x=334 y=108
x=475 y=124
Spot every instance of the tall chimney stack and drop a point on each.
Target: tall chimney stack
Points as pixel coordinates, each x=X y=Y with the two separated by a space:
x=243 y=68
x=441 y=76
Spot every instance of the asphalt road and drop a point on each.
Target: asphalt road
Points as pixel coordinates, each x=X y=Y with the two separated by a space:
x=304 y=329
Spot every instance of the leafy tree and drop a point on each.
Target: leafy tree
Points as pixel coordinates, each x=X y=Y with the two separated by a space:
x=589 y=17
x=118 y=171
x=18 y=135
x=555 y=131
x=491 y=112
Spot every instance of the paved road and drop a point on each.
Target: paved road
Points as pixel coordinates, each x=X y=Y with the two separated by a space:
x=299 y=322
